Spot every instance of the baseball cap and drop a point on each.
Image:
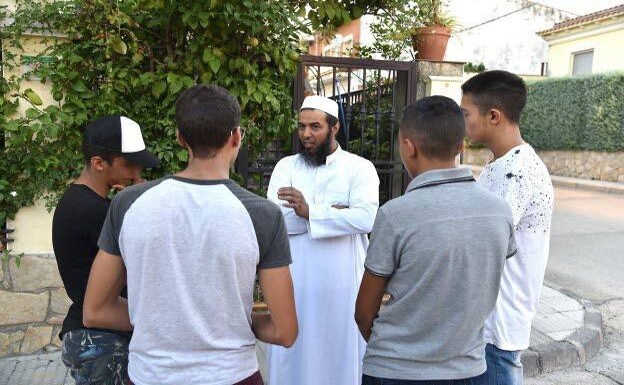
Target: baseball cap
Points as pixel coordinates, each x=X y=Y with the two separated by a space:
x=122 y=135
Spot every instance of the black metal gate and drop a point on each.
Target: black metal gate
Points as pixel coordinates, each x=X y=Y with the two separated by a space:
x=371 y=95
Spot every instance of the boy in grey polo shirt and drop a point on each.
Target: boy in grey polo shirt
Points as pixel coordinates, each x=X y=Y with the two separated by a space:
x=428 y=252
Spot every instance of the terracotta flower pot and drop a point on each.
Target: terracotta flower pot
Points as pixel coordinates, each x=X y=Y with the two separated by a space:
x=430 y=42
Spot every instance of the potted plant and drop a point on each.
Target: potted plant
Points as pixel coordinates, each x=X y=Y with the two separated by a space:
x=408 y=26
x=430 y=38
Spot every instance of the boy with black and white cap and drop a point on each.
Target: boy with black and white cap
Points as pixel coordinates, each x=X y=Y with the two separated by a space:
x=114 y=154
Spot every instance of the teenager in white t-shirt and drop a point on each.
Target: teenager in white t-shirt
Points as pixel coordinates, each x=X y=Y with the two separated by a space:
x=492 y=104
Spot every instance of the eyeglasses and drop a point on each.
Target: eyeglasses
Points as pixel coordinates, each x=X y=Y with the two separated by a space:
x=242 y=132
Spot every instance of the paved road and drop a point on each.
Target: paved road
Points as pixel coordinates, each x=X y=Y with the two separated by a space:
x=587 y=244
x=587 y=262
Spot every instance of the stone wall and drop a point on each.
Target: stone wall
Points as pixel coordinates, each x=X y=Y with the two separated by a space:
x=33 y=305
x=593 y=165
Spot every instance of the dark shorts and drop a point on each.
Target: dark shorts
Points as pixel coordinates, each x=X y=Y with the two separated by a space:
x=255 y=379
x=96 y=358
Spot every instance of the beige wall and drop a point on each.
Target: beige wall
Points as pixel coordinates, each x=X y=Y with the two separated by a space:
x=33 y=292
x=33 y=225
x=449 y=86
x=607 y=41
x=9 y=3
x=591 y=165
x=33 y=230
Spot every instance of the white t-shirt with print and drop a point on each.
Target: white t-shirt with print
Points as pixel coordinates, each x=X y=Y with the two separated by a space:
x=521 y=178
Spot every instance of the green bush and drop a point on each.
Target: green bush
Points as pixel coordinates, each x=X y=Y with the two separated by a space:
x=575 y=113
x=133 y=58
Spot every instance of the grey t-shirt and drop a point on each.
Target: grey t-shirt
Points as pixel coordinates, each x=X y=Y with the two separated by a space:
x=191 y=250
x=443 y=246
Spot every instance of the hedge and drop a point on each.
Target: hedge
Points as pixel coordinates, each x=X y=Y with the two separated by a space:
x=575 y=113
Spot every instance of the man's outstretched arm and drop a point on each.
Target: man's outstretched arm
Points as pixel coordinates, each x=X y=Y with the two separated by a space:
x=103 y=306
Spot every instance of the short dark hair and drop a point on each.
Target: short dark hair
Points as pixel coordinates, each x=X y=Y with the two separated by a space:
x=498 y=89
x=330 y=119
x=437 y=124
x=90 y=151
x=206 y=116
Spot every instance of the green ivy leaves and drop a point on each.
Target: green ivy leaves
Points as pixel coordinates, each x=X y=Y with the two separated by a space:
x=134 y=58
x=118 y=45
x=32 y=97
x=212 y=59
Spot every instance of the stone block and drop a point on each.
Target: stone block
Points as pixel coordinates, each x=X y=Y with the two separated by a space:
x=59 y=301
x=35 y=273
x=5 y=343
x=23 y=307
x=556 y=356
x=15 y=342
x=56 y=341
x=596 y=165
x=55 y=320
x=51 y=348
x=15 y=348
x=36 y=338
x=590 y=341
x=17 y=337
x=530 y=363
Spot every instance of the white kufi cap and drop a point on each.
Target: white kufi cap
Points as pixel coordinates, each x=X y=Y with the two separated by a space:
x=321 y=103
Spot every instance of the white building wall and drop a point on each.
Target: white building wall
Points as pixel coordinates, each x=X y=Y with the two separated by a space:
x=492 y=33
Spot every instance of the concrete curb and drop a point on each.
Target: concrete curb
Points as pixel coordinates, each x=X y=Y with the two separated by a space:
x=575 y=350
x=575 y=183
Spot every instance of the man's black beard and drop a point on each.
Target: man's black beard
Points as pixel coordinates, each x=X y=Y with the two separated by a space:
x=319 y=157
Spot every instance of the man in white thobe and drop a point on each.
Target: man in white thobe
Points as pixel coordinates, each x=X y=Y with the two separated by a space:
x=329 y=199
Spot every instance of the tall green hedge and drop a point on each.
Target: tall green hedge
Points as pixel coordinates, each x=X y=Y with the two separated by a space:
x=576 y=113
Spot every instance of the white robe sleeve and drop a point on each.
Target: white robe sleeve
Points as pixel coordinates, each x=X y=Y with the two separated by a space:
x=326 y=221
x=281 y=177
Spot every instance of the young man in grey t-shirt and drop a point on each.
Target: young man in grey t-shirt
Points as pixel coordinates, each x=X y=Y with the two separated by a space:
x=428 y=252
x=189 y=247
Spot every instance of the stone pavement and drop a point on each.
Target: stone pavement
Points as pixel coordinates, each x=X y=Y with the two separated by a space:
x=565 y=333
x=42 y=369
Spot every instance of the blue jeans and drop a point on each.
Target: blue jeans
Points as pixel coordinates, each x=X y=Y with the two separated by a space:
x=368 y=380
x=96 y=358
x=503 y=367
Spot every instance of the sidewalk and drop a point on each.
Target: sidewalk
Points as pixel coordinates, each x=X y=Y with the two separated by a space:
x=565 y=333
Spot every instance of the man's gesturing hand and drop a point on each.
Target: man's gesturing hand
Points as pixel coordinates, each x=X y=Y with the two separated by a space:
x=295 y=201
